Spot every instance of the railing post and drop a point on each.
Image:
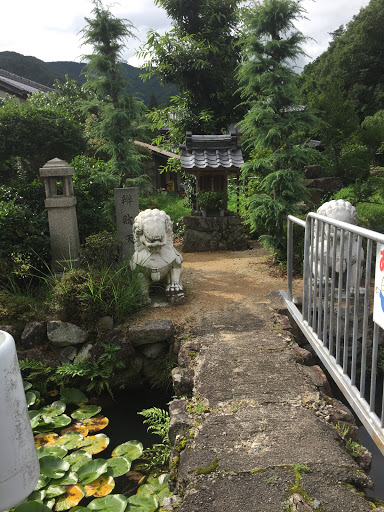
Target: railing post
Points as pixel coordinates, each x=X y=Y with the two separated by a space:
x=289 y=258
x=306 y=269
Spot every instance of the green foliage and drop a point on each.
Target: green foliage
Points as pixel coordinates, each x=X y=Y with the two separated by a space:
x=101 y=250
x=113 y=112
x=24 y=240
x=68 y=474
x=353 y=163
x=199 y=55
x=275 y=126
x=368 y=198
x=157 y=420
x=84 y=296
x=353 y=61
x=34 y=134
x=214 y=200
x=172 y=204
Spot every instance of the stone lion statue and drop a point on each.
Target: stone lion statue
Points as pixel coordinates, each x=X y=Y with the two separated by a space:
x=155 y=256
x=343 y=211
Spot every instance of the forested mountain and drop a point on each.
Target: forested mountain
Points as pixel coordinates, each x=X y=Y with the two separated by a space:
x=47 y=72
x=353 y=63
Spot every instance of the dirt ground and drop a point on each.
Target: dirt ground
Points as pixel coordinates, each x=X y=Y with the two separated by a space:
x=214 y=280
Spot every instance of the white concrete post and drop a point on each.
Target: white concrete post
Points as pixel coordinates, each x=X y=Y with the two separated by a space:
x=19 y=466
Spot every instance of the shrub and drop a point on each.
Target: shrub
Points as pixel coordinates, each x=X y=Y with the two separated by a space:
x=101 y=250
x=353 y=163
x=94 y=182
x=84 y=296
x=172 y=204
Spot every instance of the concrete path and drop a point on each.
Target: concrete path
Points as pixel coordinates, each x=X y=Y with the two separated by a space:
x=251 y=437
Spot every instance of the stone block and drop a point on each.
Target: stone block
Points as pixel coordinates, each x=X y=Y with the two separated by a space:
x=61 y=334
x=183 y=381
x=34 y=334
x=153 y=350
x=180 y=422
x=151 y=332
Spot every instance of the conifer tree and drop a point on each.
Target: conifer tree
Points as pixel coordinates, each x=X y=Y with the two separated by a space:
x=275 y=125
x=114 y=112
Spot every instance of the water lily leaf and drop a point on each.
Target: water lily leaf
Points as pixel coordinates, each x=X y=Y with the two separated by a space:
x=57 y=451
x=78 y=459
x=70 y=440
x=156 y=486
x=87 y=411
x=32 y=506
x=27 y=385
x=54 y=490
x=31 y=397
x=42 y=482
x=95 y=424
x=34 y=417
x=143 y=502
x=73 y=396
x=49 y=503
x=95 y=444
x=37 y=495
x=100 y=487
x=119 y=466
x=53 y=392
x=131 y=450
x=62 y=421
x=111 y=503
x=50 y=411
x=70 y=478
x=77 y=427
x=46 y=439
x=72 y=496
x=54 y=467
x=92 y=470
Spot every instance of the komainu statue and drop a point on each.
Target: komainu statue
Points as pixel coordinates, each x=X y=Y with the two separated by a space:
x=155 y=256
x=344 y=211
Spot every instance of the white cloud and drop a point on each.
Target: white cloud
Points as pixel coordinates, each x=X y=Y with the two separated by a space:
x=49 y=29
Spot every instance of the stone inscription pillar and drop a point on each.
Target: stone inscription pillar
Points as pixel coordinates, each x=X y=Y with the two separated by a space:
x=127 y=207
x=61 y=205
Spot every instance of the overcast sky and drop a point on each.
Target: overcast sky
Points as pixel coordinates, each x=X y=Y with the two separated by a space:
x=49 y=29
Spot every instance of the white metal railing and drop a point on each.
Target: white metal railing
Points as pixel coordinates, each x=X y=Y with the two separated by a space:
x=336 y=312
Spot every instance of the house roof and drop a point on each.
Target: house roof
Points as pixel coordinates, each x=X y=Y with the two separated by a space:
x=156 y=149
x=211 y=152
x=19 y=86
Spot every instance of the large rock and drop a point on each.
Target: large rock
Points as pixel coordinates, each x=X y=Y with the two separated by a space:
x=62 y=334
x=34 y=335
x=151 y=332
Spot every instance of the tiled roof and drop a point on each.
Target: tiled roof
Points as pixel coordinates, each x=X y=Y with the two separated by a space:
x=211 y=152
x=14 y=84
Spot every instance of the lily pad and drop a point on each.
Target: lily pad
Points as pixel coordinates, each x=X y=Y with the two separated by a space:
x=57 y=451
x=32 y=506
x=100 y=487
x=91 y=471
x=70 y=478
x=62 y=421
x=72 y=496
x=156 y=486
x=34 y=417
x=78 y=459
x=73 y=396
x=77 y=427
x=95 y=444
x=95 y=424
x=54 y=490
x=50 y=411
x=111 y=503
x=143 y=503
x=70 y=440
x=37 y=495
x=119 y=466
x=132 y=450
x=31 y=397
x=85 y=412
x=46 y=439
x=53 y=467
x=42 y=482
x=27 y=385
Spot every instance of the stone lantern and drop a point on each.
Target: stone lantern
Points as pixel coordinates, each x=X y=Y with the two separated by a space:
x=61 y=205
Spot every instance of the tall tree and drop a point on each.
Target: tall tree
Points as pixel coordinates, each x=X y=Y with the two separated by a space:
x=114 y=112
x=275 y=126
x=200 y=55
